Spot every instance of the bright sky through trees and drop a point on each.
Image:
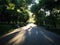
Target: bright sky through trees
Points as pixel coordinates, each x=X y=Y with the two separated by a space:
x=47 y=13
x=33 y=1
x=30 y=6
x=37 y=1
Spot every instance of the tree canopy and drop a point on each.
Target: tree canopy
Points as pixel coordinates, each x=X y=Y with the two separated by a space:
x=47 y=13
x=14 y=11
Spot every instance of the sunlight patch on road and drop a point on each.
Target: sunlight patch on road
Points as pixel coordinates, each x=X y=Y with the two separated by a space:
x=30 y=31
x=19 y=29
x=18 y=39
x=15 y=30
x=29 y=26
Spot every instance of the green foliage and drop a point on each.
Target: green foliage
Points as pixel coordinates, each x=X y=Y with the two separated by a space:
x=35 y=9
x=28 y=2
x=40 y=18
x=52 y=21
x=13 y=11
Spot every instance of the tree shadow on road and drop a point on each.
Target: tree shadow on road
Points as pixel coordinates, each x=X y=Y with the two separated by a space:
x=6 y=39
x=30 y=36
x=34 y=37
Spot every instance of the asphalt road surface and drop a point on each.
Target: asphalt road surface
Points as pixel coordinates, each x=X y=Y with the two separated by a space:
x=30 y=35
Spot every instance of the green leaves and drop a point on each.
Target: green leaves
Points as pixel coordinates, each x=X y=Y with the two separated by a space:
x=10 y=6
x=52 y=22
x=14 y=11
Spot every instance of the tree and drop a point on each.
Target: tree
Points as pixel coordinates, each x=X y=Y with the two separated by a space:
x=53 y=19
x=14 y=11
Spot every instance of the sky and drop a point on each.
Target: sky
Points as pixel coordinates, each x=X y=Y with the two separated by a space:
x=33 y=1
x=37 y=1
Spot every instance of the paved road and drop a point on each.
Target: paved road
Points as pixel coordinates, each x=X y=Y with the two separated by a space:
x=30 y=35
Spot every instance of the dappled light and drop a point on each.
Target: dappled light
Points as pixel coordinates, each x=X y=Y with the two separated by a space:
x=27 y=35
x=19 y=29
x=18 y=10
x=29 y=26
x=29 y=7
x=37 y=1
x=47 y=13
x=18 y=38
x=11 y=6
x=29 y=31
x=29 y=22
x=31 y=17
x=16 y=30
